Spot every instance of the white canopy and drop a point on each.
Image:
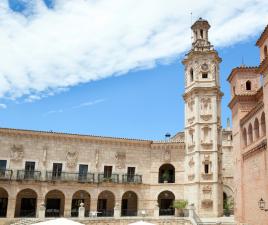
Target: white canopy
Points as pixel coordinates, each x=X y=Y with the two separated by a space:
x=141 y=223
x=60 y=221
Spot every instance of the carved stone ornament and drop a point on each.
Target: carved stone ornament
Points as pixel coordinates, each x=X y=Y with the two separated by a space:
x=120 y=160
x=204 y=67
x=191 y=176
x=207 y=203
x=71 y=158
x=17 y=152
x=167 y=156
x=191 y=162
x=207 y=189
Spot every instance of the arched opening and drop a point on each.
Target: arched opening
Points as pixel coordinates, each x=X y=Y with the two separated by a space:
x=201 y=33
x=256 y=129
x=248 y=85
x=3 y=202
x=165 y=202
x=250 y=134
x=191 y=75
x=106 y=203
x=55 y=201
x=228 y=205
x=166 y=174
x=26 y=203
x=78 y=198
x=129 y=205
x=245 y=137
x=263 y=124
x=265 y=51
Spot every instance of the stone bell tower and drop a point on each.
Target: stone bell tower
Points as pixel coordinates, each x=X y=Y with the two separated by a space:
x=203 y=124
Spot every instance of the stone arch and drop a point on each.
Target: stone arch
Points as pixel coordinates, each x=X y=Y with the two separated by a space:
x=79 y=197
x=129 y=205
x=26 y=201
x=106 y=203
x=245 y=143
x=228 y=196
x=165 y=201
x=166 y=173
x=256 y=129
x=54 y=201
x=3 y=202
x=250 y=133
x=263 y=124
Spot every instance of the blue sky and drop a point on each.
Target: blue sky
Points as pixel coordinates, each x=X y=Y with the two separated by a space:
x=114 y=93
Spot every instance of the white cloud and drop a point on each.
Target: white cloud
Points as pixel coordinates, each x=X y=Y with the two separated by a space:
x=84 y=40
x=89 y=103
x=3 y=106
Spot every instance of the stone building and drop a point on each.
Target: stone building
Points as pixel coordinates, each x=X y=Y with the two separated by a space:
x=249 y=86
x=127 y=177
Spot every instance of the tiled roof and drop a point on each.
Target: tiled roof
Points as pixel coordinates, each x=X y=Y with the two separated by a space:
x=261 y=38
x=242 y=69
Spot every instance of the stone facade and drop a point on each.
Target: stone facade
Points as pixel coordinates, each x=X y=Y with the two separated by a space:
x=249 y=107
x=120 y=177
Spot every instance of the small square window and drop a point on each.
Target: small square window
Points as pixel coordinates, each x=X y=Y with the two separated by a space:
x=204 y=75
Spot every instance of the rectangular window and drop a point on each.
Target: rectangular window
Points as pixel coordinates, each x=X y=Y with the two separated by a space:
x=29 y=166
x=83 y=170
x=57 y=170
x=3 y=164
x=204 y=75
x=130 y=174
x=108 y=171
x=206 y=168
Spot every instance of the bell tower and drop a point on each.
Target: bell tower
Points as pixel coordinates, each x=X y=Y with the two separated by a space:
x=203 y=123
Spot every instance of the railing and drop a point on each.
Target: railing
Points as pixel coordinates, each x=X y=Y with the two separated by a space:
x=166 y=212
x=65 y=176
x=114 y=178
x=126 y=212
x=106 y=213
x=135 y=179
x=197 y=219
x=5 y=174
x=28 y=175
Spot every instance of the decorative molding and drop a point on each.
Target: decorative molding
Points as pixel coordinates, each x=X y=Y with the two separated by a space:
x=120 y=158
x=207 y=176
x=71 y=159
x=191 y=176
x=167 y=156
x=207 y=203
x=260 y=147
x=207 y=189
x=206 y=117
x=16 y=152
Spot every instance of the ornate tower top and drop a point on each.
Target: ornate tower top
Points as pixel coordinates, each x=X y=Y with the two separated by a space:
x=200 y=35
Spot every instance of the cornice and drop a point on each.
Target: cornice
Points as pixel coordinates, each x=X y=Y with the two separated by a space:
x=262 y=37
x=263 y=66
x=196 y=90
x=75 y=137
x=191 y=54
x=242 y=98
x=242 y=69
x=251 y=113
x=260 y=147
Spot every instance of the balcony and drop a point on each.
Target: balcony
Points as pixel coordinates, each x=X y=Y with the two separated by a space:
x=114 y=178
x=28 y=175
x=132 y=179
x=5 y=174
x=66 y=176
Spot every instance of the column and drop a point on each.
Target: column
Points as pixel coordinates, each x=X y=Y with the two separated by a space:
x=40 y=208
x=117 y=208
x=67 y=207
x=11 y=207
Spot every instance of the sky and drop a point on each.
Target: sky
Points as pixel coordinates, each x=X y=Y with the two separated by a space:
x=113 y=68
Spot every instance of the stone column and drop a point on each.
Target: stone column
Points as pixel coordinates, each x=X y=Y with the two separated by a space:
x=81 y=211
x=42 y=211
x=117 y=211
x=11 y=207
x=67 y=207
x=156 y=211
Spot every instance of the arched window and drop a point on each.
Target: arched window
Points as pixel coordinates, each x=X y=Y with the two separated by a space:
x=166 y=174
x=263 y=124
x=248 y=85
x=245 y=137
x=256 y=129
x=191 y=75
x=250 y=134
x=202 y=33
x=129 y=206
x=26 y=201
x=165 y=201
x=265 y=51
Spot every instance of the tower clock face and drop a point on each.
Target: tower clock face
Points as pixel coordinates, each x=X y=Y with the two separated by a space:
x=204 y=67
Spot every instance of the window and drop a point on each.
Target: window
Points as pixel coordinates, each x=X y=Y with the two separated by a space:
x=29 y=166
x=248 y=85
x=83 y=169
x=206 y=167
x=191 y=75
x=265 y=51
x=108 y=171
x=3 y=164
x=201 y=33
x=57 y=170
x=130 y=174
x=204 y=75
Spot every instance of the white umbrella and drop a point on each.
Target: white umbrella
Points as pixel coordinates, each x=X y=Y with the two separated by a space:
x=141 y=223
x=60 y=221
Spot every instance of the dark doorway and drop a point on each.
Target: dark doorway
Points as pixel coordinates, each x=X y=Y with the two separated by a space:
x=75 y=206
x=53 y=207
x=28 y=207
x=3 y=207
x=57 y=170
x=102 y=207
x=165 y=202
x=83 y=169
